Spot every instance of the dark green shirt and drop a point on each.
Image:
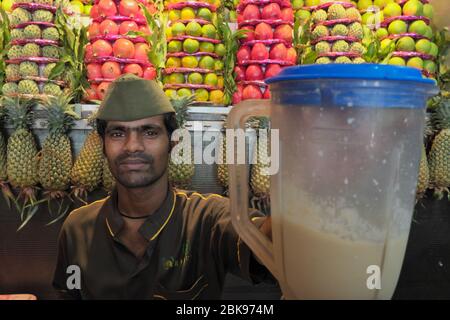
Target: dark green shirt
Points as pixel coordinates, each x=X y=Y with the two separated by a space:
x=192 y=245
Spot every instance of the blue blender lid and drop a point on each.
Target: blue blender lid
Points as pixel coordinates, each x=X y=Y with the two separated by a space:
x=364 y=71
x=324 y=85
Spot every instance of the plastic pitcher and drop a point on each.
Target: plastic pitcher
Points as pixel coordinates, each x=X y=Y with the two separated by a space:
x=342 y=200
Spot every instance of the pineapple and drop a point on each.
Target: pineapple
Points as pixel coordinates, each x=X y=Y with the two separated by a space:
x=7 y=194
x=48 y=69
x=50 y=33
x=10 y=88
x=3 y=172
x=20 y=15
x=22 y=157
x=56 y=156
x=87 y=171
x=22 y=150
x=43 y=16
x=17 y=34
x=28 y=69
x=424 y=172
x=180 y=174
x=222 y=169
x=12 y=72
x=28 y=87
x=32 y=31
x=108 y=180
x=51 y=89
x=259 y=178
x=440 y=152
x=15 y=52
x=50 y=52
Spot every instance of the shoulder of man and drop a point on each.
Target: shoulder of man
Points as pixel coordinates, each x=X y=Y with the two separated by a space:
x=196 y=199
x=214 y=204
x=84 y=216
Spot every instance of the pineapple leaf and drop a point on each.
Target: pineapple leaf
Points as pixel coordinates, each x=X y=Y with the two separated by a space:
x=428 y=128
x=230 y=42
x=309 y=56
x=301 y=42
x=74 y=40
x=59 y=68
x=157 y=38
x=29 y=214
x=181 y=105
x=441 y=117
x=18 y=111
x=60 y=113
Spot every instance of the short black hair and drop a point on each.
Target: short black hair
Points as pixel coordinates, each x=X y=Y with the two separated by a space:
x=170 y=121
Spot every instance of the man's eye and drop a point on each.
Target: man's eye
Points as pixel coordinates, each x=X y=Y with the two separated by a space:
x=116 y=134
x=151 y=133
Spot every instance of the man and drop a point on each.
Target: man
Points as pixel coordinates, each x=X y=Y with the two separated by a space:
x=148 y=240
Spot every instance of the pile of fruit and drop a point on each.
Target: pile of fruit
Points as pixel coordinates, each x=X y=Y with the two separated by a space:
x=336 y=33
x=194 y=53
x=82 y=8
x=266 y=47
x=112 y=51
x=34 y=51
x=302 y=9
x=30 y=175
x=407 y=26
x=230 y=10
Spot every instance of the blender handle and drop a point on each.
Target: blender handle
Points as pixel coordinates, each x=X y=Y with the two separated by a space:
x=261 y=246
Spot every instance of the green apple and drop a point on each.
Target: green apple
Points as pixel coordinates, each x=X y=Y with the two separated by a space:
x=392 y=10
x=87 y=9
x=430 y=66
x=364 y=4
x=380 y=3
x=428 y=11
x=310 y=3
x=297 y=4
x=415 y=62
x=405 y=44
x=397 y=61
x=77 y=6
x=7 y=5
x=382 y=32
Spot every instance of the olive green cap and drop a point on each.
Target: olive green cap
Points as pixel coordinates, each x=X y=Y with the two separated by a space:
x=131 y=98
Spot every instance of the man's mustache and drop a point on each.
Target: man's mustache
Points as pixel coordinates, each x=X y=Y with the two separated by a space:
x=146 y=158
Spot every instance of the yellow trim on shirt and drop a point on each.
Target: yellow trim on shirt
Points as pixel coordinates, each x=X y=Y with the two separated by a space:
x=109 y=228
x=87 y=205
x=239 y=252
x=168 y=218
x=200 y=195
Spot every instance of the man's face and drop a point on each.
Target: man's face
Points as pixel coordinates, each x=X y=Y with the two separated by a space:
x=137 y=151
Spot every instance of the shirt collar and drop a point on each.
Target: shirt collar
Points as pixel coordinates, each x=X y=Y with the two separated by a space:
x=151 y=227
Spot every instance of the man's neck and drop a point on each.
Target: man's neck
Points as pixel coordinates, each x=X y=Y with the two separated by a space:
x=142 y=201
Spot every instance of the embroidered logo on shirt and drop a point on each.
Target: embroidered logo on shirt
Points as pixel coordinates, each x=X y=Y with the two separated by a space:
x=173 y=262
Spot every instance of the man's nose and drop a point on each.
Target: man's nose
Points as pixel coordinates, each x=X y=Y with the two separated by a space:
x=134 y=142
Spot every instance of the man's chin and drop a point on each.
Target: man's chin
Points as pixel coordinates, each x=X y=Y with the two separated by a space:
x=138 y=181
x=136 y=184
